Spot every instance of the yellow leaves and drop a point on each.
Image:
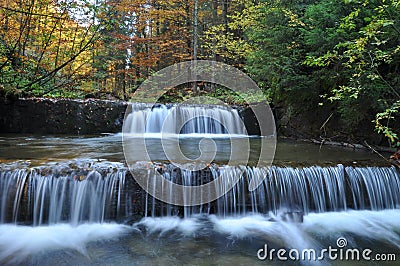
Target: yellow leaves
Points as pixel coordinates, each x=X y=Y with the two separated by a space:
x=225 y=44
x=294 y=20
x=46 y=40
x=293 y=45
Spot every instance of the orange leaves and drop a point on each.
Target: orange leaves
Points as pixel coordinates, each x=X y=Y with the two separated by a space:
x=151 y=34
x=43 y=41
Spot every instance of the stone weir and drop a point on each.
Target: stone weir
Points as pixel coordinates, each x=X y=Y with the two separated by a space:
x=61 y=116
x=82 y=117
x=81 y=191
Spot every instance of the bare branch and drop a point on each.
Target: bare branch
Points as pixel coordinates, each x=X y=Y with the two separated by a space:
x=29 y=12
x=55 y=70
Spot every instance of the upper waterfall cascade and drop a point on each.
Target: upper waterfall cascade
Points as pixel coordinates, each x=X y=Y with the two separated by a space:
x=183 y=119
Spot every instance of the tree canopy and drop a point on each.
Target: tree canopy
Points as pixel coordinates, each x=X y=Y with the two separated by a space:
x=341 y=54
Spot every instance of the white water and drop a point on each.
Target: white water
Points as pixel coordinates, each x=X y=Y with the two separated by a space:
x=366 y=225
x=74 y=212
x=184 y=136
x=162 y=225
x=374 y=225
x=317 y=231
x=327 y=196
x=306 y=189
x=183 y=119
x=53 y=194
x=19 y=242
x=75 y=191
x=383 y=225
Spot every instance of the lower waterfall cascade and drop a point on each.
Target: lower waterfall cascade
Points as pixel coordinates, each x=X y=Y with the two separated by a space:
x=90 y=191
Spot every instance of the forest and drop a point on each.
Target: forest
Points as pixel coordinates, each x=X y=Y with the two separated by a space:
x=338 y=55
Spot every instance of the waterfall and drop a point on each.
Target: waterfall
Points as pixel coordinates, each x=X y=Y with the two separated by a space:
x=183 y=119
x=89 y=191
x=74 y=192
x=306 y=189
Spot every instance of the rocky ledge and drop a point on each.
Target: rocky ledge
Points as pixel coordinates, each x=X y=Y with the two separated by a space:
x=61 y=116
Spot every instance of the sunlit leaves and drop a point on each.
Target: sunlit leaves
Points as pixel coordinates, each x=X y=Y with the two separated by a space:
x=382 y=120
x=44 y=47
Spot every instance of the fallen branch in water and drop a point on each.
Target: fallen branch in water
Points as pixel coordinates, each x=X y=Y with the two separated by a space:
x=340 y=144
x=393 y=162
x=396 y=158
x=351 y=145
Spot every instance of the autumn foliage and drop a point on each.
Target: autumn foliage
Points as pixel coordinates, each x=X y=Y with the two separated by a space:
x=340 y=58
x=74 y=48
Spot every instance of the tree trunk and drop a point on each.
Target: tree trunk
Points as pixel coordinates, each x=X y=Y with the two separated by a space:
x=195 y=38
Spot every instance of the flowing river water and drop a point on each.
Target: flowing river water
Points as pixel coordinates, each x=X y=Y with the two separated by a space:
x=70 y=200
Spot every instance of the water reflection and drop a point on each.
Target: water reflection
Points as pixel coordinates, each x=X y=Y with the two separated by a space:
x=109 y=147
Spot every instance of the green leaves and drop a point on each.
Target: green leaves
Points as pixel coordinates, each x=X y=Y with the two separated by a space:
x=368 y=56
x=346 y=51
x=383 y=119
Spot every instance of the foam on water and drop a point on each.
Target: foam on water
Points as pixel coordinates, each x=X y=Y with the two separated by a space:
x=371 y=225
x=376 y=228
x=18 y=242
x=375 y=225
x=243 y=226
x=272 y=229
x=184 y=136
x=318 y=223
x=162 y=225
